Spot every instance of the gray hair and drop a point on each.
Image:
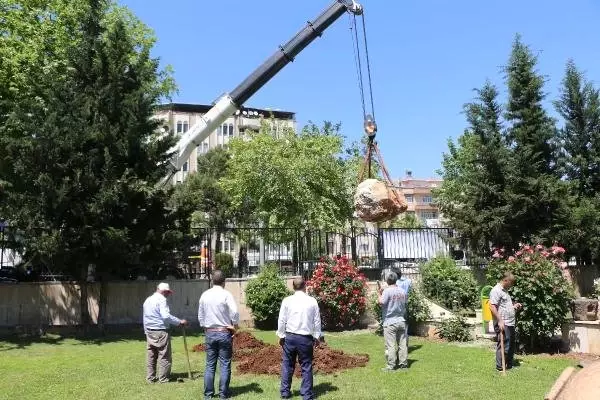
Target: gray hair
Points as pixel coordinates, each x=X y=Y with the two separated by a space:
x=391 y=278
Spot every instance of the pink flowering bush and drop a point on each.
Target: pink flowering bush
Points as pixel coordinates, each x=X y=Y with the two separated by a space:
x=341 y=292
x=542 y=286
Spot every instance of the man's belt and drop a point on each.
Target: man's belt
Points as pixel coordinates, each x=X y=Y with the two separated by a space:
x=156 y=330
x=217 y=330
x=298 y=334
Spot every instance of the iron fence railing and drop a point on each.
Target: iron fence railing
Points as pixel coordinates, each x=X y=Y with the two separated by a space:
x=294 y=251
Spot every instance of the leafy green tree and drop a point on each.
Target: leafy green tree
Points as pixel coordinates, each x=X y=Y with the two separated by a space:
x=201 y=200
x=292 y=180
x=579 y=106
x=81 y=158
x=404 y=221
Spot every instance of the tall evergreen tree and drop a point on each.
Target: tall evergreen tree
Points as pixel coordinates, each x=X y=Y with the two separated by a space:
x=535 y=191
x=579 y=106
x=472 y=195
x=81 y=157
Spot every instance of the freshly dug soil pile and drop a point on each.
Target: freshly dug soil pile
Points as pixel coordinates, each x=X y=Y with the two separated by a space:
x=242 y=343
x=257 y=357
x=199 y=348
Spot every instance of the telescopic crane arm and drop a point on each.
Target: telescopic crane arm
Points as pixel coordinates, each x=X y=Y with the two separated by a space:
x=228 y=104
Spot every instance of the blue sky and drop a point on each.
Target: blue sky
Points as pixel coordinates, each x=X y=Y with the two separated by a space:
x=426 y=56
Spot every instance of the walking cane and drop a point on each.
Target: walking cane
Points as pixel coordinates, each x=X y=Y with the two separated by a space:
x=187 y=355
x=501 y=349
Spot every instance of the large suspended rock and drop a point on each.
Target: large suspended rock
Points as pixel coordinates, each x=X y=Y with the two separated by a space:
x=375 y=202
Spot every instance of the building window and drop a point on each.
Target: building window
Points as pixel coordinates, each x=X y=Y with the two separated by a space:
x=409 y=198
x=203 y=147
x=184 y=168
x=427 y=199
x=230 y=130
x=185 y=126
x=179 y=127
x=428 y=214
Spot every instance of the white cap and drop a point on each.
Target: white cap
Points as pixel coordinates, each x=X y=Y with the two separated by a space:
x=163 y=287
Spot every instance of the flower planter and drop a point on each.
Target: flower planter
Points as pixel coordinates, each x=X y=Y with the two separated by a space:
x=584 y=309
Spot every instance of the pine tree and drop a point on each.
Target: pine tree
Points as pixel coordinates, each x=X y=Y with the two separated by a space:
x=535 y=191
x=472 y=195
x=579 y=106
x=83 y=159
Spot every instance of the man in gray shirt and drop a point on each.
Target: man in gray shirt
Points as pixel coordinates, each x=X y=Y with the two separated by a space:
x=503 y=311
x=393 y=308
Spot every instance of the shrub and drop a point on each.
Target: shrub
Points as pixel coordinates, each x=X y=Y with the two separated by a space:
x=596 y=290
x=340 y=291
x=264 y=295
x=446 y=283
x=417 y=309
x=224 y=262
x=454 y=329
x=540 y=286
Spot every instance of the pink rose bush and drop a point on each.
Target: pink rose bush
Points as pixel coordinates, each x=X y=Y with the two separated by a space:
x=341 y=292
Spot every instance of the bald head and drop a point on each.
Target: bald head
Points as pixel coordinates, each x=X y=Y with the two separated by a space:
x=299 y=284
x=508 y=279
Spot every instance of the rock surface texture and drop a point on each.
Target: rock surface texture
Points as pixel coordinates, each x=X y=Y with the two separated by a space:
x=584 y=385
x=375 y=202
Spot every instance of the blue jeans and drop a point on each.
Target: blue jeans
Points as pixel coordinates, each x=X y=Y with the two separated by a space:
x=300 y=347
x=509 y=347
x=219 y=345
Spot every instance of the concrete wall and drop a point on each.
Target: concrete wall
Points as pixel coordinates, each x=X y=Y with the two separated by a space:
x=237 y=287
x=582 y=336
x=58 y=303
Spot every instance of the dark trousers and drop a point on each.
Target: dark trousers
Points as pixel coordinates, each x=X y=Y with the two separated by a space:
x=300 y=347
x=219 y=345
x=509 y=347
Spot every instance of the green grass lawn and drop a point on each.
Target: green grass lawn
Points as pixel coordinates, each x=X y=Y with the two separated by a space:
x=56 y=368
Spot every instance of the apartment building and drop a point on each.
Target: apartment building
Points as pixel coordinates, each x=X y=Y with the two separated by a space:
x=180 y=117
x=417 y=193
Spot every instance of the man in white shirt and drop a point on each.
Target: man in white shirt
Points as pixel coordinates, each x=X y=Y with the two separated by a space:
x=218 y=315
x=298 y=329
x=157 y=319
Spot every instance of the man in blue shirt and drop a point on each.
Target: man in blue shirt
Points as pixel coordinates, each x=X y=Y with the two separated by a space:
x=393 y=308
x=157 y=319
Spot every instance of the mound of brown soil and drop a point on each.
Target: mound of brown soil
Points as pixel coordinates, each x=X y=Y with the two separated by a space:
x=242 y=343
x=199 y=347
x=257 y=357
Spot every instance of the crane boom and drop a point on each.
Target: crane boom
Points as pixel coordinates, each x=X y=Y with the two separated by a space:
x=228 y=104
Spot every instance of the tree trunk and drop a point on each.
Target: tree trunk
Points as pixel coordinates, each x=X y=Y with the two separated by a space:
x=83 y=301
x=102 y=305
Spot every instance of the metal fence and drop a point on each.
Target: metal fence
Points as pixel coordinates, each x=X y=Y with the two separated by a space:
x=297 y=251
x=294 y=251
